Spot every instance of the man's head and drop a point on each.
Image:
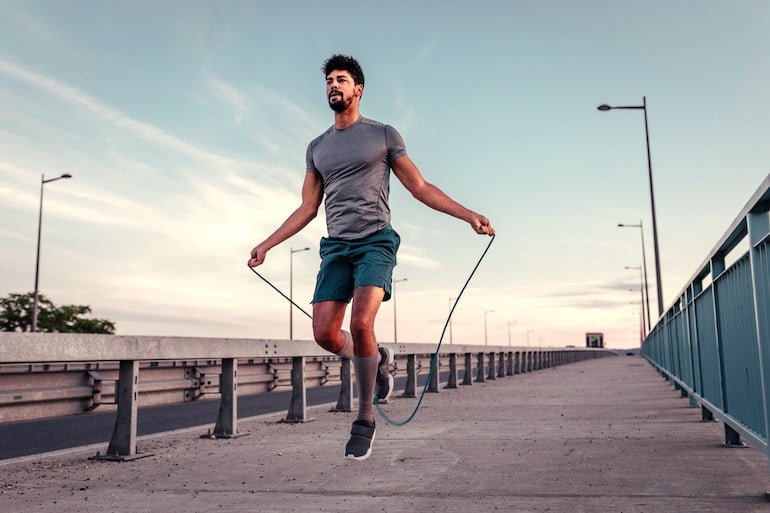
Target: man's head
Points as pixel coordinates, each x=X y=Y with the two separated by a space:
x=344 y=81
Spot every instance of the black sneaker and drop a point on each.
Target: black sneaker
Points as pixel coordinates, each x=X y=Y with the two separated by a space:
x=385 y=380
x=359 y=446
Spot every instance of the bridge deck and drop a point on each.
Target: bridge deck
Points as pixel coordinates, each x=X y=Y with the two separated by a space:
x=605 y=435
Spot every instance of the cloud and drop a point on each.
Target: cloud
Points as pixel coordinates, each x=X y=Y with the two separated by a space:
x=226 y=94
x=140 y=129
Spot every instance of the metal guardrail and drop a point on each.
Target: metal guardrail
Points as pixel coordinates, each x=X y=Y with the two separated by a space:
x=713 y=343
x=49 y=374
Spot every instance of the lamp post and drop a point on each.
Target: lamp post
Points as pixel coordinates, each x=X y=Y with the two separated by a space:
x=528 y=332
x=485 y=324
x=43 y=181
x=644 y=266
x=450 y=318
x=509 y=332
x=395 y=324
x=643 y=107
x=291 y=289
x=641 y=291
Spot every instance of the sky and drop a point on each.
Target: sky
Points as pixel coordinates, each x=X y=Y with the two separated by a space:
x=184 y=126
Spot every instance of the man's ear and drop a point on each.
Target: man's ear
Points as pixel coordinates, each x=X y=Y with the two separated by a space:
x=359 y=90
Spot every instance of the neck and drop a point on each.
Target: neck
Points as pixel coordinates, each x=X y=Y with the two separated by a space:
x=344 y=119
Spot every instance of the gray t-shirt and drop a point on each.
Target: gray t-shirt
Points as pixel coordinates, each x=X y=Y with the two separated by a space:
x=354 y=165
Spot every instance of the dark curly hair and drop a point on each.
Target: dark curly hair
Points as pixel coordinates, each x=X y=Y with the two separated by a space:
x=344 y=63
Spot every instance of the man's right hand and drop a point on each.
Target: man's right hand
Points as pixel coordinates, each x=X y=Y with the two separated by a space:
x=257 y=256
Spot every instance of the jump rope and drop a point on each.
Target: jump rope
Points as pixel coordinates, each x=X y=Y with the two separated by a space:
x=434 y=357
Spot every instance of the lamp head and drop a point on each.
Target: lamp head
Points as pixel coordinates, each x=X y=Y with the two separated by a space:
x=604 y=106
x=66 y=175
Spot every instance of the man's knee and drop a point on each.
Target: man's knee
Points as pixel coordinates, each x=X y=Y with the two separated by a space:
x=328 y=337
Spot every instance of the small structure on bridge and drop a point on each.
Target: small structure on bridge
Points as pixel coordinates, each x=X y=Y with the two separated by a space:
x=594 y=339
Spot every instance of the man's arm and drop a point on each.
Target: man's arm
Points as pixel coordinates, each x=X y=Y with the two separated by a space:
x=312 y=194
x=408 y=174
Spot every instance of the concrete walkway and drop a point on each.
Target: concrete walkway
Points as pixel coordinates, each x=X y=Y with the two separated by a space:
x=606 y=435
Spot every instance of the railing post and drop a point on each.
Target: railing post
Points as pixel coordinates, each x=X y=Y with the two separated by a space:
x=434 y=377
x=122 y=445
x=517 y=363
x=480 y=368
x=717 y=265
x=345 y=399
x=759 y=231
x=733 y=438
x=452 y=381
x=410 y=390
x=227 y=419
x=468 y=374
x=492 y=368
x=298 y=406
x=501 y=366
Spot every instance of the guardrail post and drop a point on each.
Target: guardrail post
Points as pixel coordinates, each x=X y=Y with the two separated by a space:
x=509 y=369
x=123 y=442
x=492 y=369
x=480 y=368
x=411 y=377
x=468 y=375
x=517 y=363
x=434 y=377
x=298 y=407
x=345 y=399
x=452 y=381
x=227 y=419
x=501 y=366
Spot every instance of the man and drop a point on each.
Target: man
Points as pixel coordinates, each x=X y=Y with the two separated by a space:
x=350 y=164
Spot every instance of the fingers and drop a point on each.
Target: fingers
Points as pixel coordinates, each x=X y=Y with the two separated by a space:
x=257 y=257
x=483 y=226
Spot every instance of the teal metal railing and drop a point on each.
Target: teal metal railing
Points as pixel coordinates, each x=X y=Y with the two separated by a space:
x=713 y=342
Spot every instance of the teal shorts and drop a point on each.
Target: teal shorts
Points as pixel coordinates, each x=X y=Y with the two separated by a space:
x=347 y=264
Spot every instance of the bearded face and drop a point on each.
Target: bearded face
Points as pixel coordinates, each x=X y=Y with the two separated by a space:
x=341 y=90
x=338 y=102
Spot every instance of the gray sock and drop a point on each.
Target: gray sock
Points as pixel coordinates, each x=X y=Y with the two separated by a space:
x=366 y=375
x=347 y=349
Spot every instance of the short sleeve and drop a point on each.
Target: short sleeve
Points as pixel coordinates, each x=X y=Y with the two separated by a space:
x=309 y=164
x=396 y=146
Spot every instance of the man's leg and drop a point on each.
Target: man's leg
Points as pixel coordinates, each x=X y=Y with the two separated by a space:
x=366 y=303
x=327 y=328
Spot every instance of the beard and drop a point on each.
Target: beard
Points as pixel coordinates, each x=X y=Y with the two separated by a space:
x=339 y=105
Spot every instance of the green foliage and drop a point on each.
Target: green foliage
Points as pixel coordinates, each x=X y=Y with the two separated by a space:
x=16 y=315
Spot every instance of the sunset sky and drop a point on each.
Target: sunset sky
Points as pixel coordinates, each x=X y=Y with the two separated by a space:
x=185 y=124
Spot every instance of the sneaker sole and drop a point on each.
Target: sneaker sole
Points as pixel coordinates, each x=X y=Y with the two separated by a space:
x=391 y=386
x=365 y=456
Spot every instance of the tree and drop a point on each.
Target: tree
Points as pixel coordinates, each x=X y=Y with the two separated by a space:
x=16 y=315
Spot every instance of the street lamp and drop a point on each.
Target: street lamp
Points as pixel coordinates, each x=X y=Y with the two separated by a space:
x=644 y=266
x=485 y=324
x=528 y=332
x=641 y=291
x=291 y=289
x=643 y=107
x=450 y=318
x=509 y=331
x=393 y=296
x=43 y=181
